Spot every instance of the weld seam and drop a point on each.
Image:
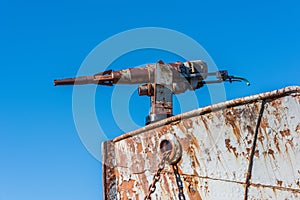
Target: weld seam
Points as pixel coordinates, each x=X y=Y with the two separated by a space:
x=250 y=167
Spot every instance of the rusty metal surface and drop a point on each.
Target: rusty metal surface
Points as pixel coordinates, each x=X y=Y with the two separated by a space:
x=109 y=177
x=277 y=161
x=259 y=192
x=246 y=148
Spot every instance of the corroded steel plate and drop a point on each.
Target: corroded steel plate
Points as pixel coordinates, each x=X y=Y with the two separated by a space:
x=246 y=148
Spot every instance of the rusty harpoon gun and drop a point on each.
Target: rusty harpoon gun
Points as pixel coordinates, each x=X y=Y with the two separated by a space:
x=160 y=81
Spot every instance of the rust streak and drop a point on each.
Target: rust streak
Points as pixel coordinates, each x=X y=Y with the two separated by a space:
x=276 y=142
x=229 y=147
x=275 y=187
x=285 y=132
x=227 y=144
x=271 y=152
x=297 y=128
x=205 y=123
x=127 y=185
x=231 y=119
x=256 y=153
x=279 y=183
x=250 y=130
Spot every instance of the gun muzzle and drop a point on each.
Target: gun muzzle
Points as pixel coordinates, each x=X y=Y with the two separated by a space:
x=81 y=80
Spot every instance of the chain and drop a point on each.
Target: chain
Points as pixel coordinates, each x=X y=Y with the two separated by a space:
x=179 y=182
x=156 y=176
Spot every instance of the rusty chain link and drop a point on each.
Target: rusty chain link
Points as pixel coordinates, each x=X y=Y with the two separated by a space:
x=179 y=182
x=156 y=176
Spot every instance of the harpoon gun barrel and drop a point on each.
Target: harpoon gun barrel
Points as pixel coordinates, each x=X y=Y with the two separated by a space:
x=81 y=80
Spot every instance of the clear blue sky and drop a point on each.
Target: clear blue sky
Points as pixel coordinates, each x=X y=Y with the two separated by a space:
x=41 y=155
